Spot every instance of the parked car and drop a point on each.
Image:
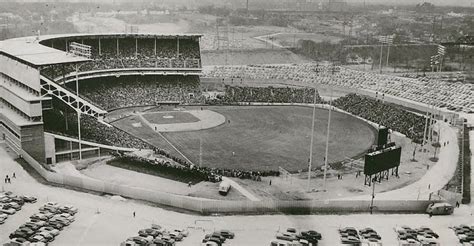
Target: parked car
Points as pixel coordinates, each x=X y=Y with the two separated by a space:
x=8 y=211
x=19 y=241
x=18 y=200
x=68 y=209
x=440 y=208
x=184 y=232
x=286 y=236
x=30 y=199
x=49 y=229
x=3 y=217
x=40 y=216
x=224 y=188
x=227 y=234
x=176 y=236
x=149 y=232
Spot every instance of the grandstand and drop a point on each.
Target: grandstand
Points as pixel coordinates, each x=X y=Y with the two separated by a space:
x=40 y=106
x=451 y=96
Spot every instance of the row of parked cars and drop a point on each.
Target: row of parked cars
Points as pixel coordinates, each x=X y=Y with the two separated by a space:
x=294 y=237
x=217 y=238
x=11 y=203
x=465 y=234
x=44 y=226
x=156 y=235
x=417 y=236
x=363 y=237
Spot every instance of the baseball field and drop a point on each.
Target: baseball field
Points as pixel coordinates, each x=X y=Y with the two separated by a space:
x=263 y=138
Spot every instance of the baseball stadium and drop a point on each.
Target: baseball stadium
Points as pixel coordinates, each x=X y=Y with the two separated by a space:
x=136 y=112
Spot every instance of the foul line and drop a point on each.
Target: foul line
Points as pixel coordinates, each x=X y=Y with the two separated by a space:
x=161 y=135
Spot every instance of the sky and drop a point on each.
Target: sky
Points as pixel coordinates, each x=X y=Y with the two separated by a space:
x=407 y=2
x=388 y=2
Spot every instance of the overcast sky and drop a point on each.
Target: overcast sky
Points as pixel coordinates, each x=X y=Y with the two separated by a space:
x=388 y=2
x=435 y=2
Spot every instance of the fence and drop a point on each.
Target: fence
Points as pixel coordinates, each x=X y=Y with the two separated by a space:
x=208 y=206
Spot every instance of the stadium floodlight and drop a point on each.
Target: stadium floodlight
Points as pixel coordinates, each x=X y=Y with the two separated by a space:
x=441 y=53
x=327 y=143
x=78 y=49
x=388 y=40
x=312 y=140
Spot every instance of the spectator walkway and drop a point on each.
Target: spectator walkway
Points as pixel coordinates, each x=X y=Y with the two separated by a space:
x=436 y=177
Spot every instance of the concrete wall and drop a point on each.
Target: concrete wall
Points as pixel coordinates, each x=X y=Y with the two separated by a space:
x=32 y=141
x=20 y=72
x=206 y=206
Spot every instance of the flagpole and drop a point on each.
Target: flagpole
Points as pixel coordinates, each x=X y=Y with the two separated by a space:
x=311 y=144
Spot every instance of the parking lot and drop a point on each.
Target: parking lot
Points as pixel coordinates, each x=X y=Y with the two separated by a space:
x=105 y=220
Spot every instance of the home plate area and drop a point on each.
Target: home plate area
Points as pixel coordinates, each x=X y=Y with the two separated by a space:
x=189 y=120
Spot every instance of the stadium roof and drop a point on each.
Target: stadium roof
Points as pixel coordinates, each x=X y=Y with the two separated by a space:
x=31 y=51
x=120 y=35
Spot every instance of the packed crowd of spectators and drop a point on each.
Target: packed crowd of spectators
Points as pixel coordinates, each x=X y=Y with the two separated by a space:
x=271 y=94
x=112 y=93
x=235 y=94
x=62 y=122
x=129 y=55
x=453 y=96
x=184 y=170
x=386 y=114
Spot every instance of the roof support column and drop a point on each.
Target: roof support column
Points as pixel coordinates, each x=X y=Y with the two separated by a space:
x=177 y=50
x=136 y=47
x=155 y=46
x=117 y=46
x=100 y=48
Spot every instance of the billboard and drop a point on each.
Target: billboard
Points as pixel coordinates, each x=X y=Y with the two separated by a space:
x=382 y=160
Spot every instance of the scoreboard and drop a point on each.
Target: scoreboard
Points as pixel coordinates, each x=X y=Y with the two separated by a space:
x=382 y=160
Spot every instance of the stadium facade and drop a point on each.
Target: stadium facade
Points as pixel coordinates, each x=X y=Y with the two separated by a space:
x=34 y=72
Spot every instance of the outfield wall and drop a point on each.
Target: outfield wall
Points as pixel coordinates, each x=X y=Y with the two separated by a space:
x=208 y=206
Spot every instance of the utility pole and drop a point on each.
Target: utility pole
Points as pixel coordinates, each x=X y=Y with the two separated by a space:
x=373 y=195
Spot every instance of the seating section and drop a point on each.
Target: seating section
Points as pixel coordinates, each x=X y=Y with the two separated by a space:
x=389 y=115
x=64 y=122
x=444 y=94
x=125 y=91
x=132 y=53
x=270 y=95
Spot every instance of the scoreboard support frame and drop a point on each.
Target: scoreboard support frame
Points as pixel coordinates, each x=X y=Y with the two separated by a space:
x=383 y=175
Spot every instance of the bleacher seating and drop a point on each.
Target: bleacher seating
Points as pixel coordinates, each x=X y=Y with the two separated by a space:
x=453 y=96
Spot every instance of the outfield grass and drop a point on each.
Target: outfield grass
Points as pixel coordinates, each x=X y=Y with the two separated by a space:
x=264 y=138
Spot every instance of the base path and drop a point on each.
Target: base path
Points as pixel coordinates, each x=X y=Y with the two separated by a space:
x=241 y=189
x=207 y=119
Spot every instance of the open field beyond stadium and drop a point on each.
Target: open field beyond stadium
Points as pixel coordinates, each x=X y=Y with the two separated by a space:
x=264 y=138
